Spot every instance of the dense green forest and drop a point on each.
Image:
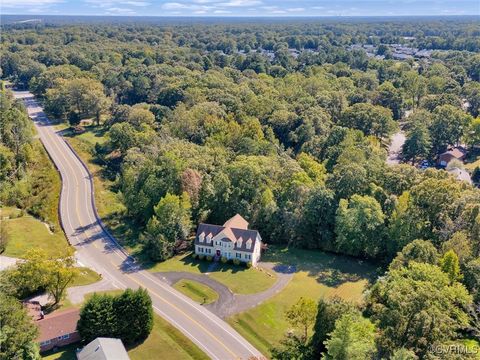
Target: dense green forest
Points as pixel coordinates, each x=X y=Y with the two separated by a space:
x=209 y=120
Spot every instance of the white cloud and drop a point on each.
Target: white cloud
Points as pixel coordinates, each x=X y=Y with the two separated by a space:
x=106 y=4
x=298 y=9
x=174 y=6
x=135 y=3
x=269 y=8
x=196 y=8
x=240 y=3
x=222 y=12
x=28 y=3
x=119 y=11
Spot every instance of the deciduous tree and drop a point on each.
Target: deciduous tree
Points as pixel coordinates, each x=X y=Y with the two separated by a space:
x=17 y=332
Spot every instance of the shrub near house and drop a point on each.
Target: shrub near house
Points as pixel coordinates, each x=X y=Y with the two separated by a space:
x=233 y=241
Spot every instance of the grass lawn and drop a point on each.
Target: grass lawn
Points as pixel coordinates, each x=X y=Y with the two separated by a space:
x=86 y=276
x=238 y=278
x=318 y=275
x=8 y=211
x=198 y=292
x=167 y=343
x=26 y=232
x=64 y=353
x=106 y=292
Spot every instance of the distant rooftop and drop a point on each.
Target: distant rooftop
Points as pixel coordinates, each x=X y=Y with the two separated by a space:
x=104 y=349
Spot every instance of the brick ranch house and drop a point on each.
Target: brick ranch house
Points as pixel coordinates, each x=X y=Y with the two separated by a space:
x=56 y=329
x=233 y=240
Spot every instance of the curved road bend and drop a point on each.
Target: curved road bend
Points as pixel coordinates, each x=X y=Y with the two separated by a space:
x=98 y=251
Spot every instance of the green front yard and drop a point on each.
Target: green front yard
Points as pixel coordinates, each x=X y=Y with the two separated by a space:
x=239 y=279
x=318 y=275
x=26 y=232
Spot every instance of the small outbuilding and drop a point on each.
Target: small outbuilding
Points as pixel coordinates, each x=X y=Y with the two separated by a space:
x=457 y=153
x=103 y=349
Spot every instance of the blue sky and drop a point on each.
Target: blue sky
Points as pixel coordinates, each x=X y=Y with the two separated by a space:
x=242 y=7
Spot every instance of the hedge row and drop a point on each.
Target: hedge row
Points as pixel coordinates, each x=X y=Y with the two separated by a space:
x=224 y=260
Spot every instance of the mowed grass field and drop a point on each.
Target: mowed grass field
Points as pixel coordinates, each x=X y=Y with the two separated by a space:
x=196 y=291
x=85 y=276
x=238 y=279
x=167 y=343
x=25 y=233
x=318 y=275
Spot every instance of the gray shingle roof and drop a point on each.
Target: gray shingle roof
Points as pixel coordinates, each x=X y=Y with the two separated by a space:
x=103 y=349
x=231 y=234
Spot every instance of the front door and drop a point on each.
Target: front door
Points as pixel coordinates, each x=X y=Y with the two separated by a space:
x=218 y=252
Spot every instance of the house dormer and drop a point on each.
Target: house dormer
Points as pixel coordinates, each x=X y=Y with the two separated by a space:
x=248 y=244
x=239 y=242
x=201 y=237
x=209 y=238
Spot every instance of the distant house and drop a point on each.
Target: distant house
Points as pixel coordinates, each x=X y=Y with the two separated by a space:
x=58 y=329
x=233 y=240
x=461 y=174
x=103 y=349
x=457 y=153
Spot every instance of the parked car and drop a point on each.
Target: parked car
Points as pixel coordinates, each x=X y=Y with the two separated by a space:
x=424 y=164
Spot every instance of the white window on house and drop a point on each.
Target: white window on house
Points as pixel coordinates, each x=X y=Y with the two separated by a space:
x=238 y=255
x=46 y=342
x=66 y=336
x=201 y=237
x=249 y=244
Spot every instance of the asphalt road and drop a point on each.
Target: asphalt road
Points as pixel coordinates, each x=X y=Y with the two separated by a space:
x=97 y=250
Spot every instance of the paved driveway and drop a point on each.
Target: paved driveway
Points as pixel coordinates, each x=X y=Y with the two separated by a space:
x=228 y=303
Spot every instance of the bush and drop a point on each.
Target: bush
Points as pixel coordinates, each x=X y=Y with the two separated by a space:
x=248 y=264
x=128 y=316
x=195 y=256
x=224 y=260
x=201 y=257
x=209 y=258
x=236 y=262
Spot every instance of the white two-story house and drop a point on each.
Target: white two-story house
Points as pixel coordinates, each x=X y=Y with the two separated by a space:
x=233 y=240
